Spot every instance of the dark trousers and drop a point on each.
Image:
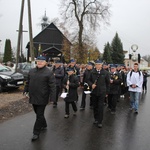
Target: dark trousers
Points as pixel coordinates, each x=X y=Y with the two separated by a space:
x=67 y=107
x=112 y=101
x=57 y=94
x=98 y=103
x=40 y=119
x=144 y=85
x=83 y=102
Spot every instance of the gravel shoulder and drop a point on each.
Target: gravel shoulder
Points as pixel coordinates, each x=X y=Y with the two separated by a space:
x=13 y=103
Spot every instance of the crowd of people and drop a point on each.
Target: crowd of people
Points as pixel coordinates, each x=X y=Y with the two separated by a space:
x=104 y=83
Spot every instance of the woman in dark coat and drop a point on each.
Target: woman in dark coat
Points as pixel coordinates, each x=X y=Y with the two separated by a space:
x=40 y=85
x=70 y=84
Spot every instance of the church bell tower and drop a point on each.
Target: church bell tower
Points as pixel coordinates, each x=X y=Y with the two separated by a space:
x=44 y=23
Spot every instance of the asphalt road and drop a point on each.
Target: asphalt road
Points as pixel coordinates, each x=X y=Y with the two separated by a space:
x=122 y=131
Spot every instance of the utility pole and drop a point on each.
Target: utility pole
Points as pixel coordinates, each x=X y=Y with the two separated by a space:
x=19 y=35
x=21 y=44
x=30 y=32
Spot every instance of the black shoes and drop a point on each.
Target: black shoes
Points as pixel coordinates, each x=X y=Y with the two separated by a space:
x=91 y=107
x=54 y=105
x=43 y=128
x=99 y=125
x=136 y=112
x=95 y=122
x=82 y=108
x=66 y=116
x=35 y=137
x=113 y=112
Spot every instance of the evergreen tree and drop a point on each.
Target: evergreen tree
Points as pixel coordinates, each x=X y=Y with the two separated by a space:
x=107 y=53
x=117 y=50
x=7 y=51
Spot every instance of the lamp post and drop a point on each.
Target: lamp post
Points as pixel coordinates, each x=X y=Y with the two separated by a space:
x=134 y=48
x=134 y=56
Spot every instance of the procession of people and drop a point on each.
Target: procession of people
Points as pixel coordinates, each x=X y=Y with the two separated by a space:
x=104 y=83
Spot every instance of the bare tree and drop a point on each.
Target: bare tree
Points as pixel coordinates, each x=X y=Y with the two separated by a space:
x=86 y=15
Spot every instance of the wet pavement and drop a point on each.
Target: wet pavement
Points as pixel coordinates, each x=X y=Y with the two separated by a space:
x=122 y=131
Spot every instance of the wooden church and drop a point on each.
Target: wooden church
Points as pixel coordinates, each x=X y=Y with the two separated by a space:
x=48 y=42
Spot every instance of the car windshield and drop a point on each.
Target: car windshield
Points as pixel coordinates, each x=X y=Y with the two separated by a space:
x=4 y=69
x=28 y=66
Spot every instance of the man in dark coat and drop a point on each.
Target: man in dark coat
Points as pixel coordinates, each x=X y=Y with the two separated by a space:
x=144 y=86
x=115 y=82
x=40 y=85
x=59 y=75
x=86 y=87
x=99 y=81
x=105 y=67
x=123 y=82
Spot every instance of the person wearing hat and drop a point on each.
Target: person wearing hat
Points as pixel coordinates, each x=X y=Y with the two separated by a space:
x=86 y=87
x=40 y=85
x=76 y=70
x=59 y=75
x=115 y=81
x=72 y=64
x=145 y=75
x=105 y=67
x=123 y=82
x=70 y=83
x=99 y=82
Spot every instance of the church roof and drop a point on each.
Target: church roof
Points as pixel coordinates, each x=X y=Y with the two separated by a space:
x=51 y=36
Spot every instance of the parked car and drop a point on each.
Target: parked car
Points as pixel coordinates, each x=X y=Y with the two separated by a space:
x=10 y=79
x=25 y=69
x=20 y=66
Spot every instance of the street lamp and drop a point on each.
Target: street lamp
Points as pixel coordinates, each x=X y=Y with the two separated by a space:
x=134 y=48
x=134 y=56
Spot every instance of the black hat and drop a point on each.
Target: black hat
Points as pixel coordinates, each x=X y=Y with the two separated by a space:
x=41 y=58
x=105 y=64
x=119 y=65
x=69 y=69
x=58 y=62
x=113 y=66
x=98 y=62
x=72 y=60
x=90 y=64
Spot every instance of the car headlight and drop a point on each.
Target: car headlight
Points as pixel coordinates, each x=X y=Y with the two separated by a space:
x=5 y=77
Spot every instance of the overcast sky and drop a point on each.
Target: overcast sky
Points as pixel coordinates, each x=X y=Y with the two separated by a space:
x=130 y=19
